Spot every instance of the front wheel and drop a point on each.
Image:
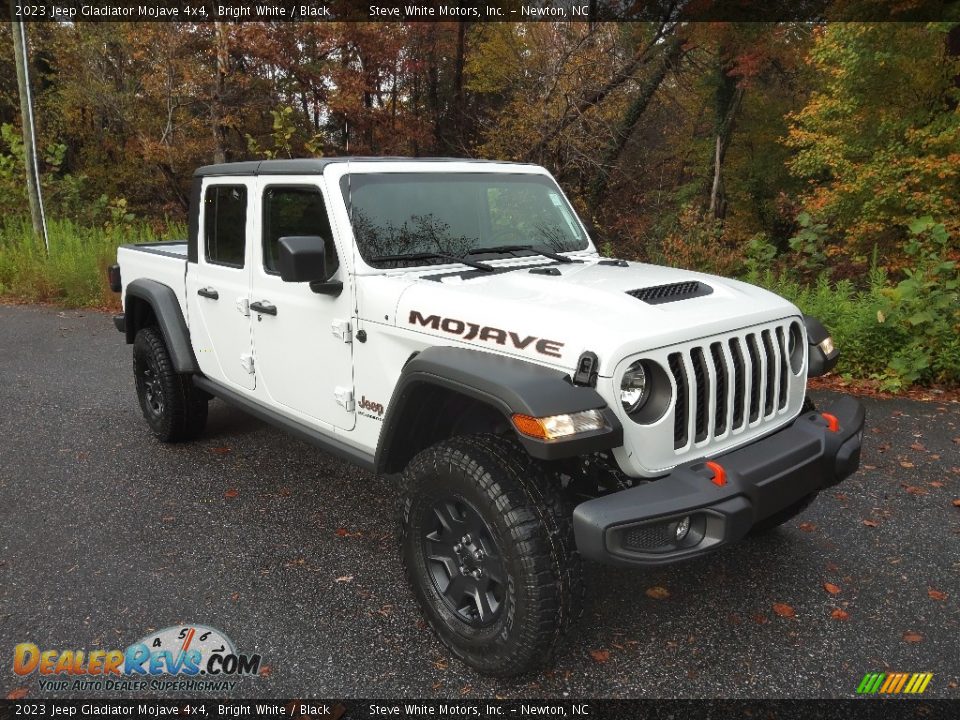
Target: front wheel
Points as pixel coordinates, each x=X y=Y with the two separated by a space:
x=173 y=408
x=487 y=542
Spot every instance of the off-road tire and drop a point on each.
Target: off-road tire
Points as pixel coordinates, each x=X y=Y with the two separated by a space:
x=785 y=515
x=529 y=521
x=174 y=409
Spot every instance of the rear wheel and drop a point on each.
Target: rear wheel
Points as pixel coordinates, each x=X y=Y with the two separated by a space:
x=174 y=409
x=487 y=542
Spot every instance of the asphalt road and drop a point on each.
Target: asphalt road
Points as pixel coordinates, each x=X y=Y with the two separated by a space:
x=105 y=534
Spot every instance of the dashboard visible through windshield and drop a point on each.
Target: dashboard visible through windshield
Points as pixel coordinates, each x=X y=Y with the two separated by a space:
x=422 y=218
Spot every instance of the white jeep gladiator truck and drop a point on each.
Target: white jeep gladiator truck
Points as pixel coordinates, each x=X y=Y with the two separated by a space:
x=451 y=323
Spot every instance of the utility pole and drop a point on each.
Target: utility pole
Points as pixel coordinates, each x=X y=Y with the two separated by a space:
x=29 y=137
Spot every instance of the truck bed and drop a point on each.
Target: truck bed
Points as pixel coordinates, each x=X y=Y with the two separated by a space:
x=165 y=262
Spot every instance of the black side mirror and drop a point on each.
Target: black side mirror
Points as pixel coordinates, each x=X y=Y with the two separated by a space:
x=302 y=260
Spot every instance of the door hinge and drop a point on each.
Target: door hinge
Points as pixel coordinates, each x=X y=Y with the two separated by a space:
x=246 y=362
x=344 y=398
x=243 y=305
x=341 y=329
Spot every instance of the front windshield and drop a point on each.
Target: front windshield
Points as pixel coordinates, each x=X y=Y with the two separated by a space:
x=403 y=218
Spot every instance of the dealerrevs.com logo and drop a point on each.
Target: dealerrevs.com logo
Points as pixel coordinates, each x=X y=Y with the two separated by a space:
x=187 y=657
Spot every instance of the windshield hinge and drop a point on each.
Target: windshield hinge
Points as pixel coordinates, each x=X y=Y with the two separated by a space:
x=341 y=329
x=246 y=362
x=243 y=305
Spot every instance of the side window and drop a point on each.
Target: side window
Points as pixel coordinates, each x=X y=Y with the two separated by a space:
x=291 y=211
x=225 y=224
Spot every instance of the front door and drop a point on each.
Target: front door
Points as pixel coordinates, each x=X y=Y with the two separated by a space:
x=219 y=291
x=302 y=344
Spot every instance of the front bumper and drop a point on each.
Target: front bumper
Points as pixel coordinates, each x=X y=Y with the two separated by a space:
x=638 y=526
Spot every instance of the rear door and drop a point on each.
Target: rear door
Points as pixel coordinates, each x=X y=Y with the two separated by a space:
x=218 y=293
x=303 y=351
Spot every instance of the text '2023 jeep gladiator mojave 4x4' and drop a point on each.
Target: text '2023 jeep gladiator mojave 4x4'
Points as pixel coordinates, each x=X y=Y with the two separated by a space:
x=450 y=322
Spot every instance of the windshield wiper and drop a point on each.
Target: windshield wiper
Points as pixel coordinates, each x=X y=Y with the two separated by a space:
x=512 y=248
x=463 y=260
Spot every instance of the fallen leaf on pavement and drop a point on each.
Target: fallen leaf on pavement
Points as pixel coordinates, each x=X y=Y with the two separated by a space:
x=266 y=671
x=956 y=502
x=870 y=523
x=760 y=619
x=906 y=464
x=831 y=588
x=344 y=578
x=936 y=484
x=914 y=490
x=839 y=614
x=342 y=532
x=231 y=493
x=807 y=526
x=600 y=656
x=912 y=637
x=919 y=447
x=220 y=450
x=18 y=694
x=658 y=593
x=784 y=610
x=936 y=594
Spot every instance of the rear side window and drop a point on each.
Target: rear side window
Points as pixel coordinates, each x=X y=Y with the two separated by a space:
x=225 y=224
x=291 y=211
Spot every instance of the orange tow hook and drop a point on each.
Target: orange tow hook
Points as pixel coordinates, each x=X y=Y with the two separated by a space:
x=833 y=425
x=719 y=474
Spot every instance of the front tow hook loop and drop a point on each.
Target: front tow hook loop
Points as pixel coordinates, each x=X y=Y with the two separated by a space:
x=833 y=425
x=719 y=474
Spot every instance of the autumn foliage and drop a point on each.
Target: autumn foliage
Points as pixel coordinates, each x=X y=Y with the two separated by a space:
x=801 y=156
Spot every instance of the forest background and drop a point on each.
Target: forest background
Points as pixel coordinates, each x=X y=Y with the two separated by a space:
x=819 y=160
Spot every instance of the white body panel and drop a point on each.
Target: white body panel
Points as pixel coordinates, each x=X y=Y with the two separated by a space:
x=300 y=362
x=302 y=368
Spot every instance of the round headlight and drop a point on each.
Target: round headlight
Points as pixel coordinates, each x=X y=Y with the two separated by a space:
x=634 y=388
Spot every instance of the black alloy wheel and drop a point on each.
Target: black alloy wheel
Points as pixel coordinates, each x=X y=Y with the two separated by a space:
x=463 y=561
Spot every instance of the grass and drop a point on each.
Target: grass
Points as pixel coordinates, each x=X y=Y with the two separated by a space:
x=74 y=273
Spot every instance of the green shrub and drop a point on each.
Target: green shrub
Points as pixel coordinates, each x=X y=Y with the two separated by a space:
x=900 y=334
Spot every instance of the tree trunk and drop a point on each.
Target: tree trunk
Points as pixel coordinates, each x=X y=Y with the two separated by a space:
x=953 y=50
x=458 y=109
x=220 y=82
x=595 y=97
x=26 y=124
x=729 y=99
x=670 y=54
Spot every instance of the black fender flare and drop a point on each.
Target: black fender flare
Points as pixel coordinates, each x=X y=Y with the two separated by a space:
x=166 y=308
x=506 y=384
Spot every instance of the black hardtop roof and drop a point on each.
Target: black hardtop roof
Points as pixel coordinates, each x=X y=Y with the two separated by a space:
x=308 y=166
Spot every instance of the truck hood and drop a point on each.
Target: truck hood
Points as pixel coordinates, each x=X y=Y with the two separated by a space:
x=552 y=319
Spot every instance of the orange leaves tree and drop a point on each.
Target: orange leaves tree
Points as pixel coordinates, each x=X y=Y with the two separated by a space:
x=878 y=142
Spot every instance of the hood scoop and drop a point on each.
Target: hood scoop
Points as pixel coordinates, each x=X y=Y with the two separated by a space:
x=660 y=294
